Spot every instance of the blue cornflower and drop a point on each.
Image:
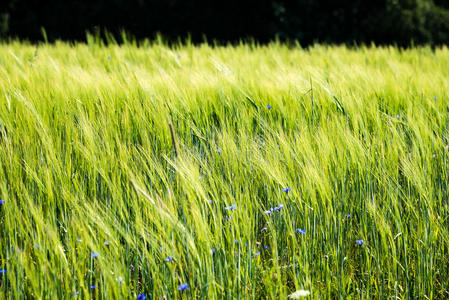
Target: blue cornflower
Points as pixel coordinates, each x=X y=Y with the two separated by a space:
x=93 y=287
x=278 y=207
x=233 y=206
x=301 y=231
x=75 y=294
x=213 y=251
x=37 y=246
x=269 y=106
x=2 y=202
x=2 y=271
x=79 y=240
x=94 y=255
x=287 y=189
x=183 y=287
x=435 y=98
x=236 y=242
x=257 y=253
x=266 y=247
x=108 y=57
x=348 y=215
x=218 y=150
x=268 y=212
x=359 y=242
x=169 y=259
x=210 y=201
x=398 y=116
x=142 y=297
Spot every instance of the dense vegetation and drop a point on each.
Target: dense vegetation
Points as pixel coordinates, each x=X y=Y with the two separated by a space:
x=323 y=169
x=401 y=22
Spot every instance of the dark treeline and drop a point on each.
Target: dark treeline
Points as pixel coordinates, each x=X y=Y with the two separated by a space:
x=401 y=22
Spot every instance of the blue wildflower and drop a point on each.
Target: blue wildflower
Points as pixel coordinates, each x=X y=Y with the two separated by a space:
x=210 y=201
x=236 y=242
x=218 y=150
x=257 y=253
x=142 y=297
x=169 y=259
x=2 y=271
x=37 y=246
x=269 y=106
x=287 y=189
x=268 y=212
x=301 y=231
x=435 y=98
x=75 y=294
x=266 y=247
x=94 y=255
x=213 y=251
x=93 y=287
x=2 y=202
x=279 y=207
x=79 y=240
x=233 y=206
x=359 y=242
x=348 y=215
x=108 y=57
x=183 y=287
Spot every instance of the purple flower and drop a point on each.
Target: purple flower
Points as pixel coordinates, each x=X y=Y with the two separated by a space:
x=95 y=255
x=257 y=253
x=79 y=240
x=106 y=243
x=37 y=246
x=301 y=231
x=108 y=57
x=142 y=297
x=287 y=189
x=348 y=215
x=210 y=201
x=266 y=247
x=183 y=287
x=359 y=242
x=218 y=150
x=213 y=251
x=268 y=212
x=233 y=206
x=75 y=294
x=169 y=259
x=435 y=98
x=228 y=218
x=2 y=271
x=93 y=287
x=269 y=106
x=2 y=202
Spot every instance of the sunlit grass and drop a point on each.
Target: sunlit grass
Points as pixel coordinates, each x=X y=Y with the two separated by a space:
x=94 y=194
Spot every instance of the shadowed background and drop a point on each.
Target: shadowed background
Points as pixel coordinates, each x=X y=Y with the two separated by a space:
x=401 y=22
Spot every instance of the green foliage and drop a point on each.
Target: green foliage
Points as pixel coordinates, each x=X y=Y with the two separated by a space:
x=86 y=156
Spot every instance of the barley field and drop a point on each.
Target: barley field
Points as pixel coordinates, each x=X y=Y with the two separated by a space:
x=144 y=170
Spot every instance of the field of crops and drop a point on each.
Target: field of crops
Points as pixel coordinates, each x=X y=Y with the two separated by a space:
x=223 y=172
